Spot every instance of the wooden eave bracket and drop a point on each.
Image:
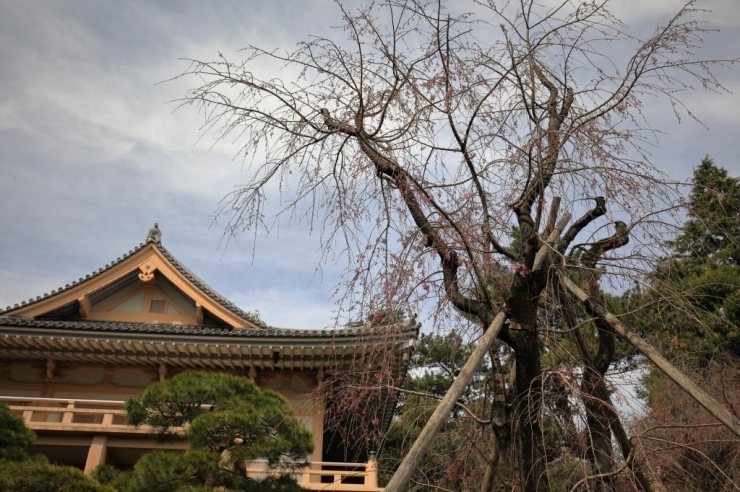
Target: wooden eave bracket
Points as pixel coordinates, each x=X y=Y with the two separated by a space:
x=198 y=313
x=85 y=306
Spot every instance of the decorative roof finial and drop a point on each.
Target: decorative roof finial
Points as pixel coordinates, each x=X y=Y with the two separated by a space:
x=155 y=234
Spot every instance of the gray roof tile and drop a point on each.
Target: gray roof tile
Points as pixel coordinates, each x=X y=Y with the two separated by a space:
x=410 y=329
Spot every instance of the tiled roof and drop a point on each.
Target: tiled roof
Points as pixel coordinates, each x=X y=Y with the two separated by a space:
x=207 y=289
x=125 y=327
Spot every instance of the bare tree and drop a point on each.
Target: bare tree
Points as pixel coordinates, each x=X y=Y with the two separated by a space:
x=434 y=146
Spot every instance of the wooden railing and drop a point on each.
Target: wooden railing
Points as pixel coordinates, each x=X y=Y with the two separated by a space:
x=109 y=417
x=62 y=414
x=347 y=477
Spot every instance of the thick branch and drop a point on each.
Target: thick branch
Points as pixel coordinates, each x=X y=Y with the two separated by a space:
x=553 y=215
x=597 y=250
x=500 y=248
x=544 y=252
x=598 y=210
x=449 y=258
x=589 y=259
x=547 y=164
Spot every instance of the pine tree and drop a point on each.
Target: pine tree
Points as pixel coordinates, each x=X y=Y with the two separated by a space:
x=228 y=421
x=20 y=471
x=712 y=231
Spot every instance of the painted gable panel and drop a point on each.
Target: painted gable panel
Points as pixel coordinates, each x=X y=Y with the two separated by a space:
x=103 y=298
x=135 y=300
x=176 y=297
x=134 y=304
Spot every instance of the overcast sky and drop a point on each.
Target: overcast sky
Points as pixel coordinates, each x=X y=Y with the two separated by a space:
x=91 y=154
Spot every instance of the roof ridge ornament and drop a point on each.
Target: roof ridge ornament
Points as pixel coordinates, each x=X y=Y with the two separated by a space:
x=155 y=234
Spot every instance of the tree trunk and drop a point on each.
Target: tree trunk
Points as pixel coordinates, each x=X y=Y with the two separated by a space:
x=598 y=415
x=523 y=339
x=600 y=438
x=533 y=473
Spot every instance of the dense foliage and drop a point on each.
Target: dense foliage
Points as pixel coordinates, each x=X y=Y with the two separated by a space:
x=15 y=437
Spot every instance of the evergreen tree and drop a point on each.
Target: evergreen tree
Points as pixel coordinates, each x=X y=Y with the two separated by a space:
x=712 y=231
x=15 y=437
x=695 y=292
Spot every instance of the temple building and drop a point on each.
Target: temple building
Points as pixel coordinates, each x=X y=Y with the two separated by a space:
x=70 y=358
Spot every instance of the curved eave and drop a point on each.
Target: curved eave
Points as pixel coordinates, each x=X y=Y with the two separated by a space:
x=333 y=350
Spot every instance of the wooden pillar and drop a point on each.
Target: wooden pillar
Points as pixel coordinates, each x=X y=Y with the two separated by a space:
x=50 y=378
x=319 y=413
x=96 y=453
x=371 y=475
x=68 y=416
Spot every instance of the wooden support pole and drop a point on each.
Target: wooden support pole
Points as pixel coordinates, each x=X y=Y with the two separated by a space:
x=442 y=412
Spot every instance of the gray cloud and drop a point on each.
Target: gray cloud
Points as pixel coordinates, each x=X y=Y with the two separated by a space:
x=91 y=153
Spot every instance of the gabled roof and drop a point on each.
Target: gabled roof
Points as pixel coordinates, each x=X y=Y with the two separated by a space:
x=142 y=264
x=95 y=319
